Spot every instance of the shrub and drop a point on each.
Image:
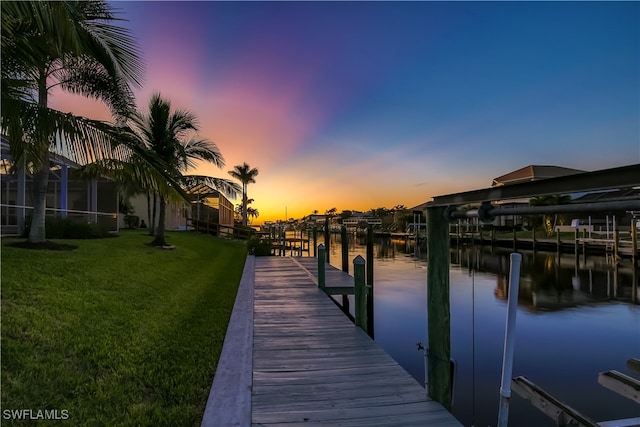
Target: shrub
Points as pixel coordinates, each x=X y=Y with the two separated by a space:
x=131 y=221
x=68 y=228
x=259 y=247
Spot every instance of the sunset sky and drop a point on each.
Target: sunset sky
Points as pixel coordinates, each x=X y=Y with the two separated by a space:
x=358 y=105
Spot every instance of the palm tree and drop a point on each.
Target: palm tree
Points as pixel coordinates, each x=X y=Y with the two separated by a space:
x=75 y=46
x=166 y=134
x=246 y=175
x=548 y=221
x=253 y=213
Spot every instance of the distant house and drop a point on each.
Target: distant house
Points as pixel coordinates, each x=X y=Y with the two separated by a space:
x=68 y=195
x=525 y=174
x=533 y=173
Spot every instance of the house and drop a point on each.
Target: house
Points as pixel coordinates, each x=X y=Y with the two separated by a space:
x=68 y=195
x=208 y=207
x=526 y=174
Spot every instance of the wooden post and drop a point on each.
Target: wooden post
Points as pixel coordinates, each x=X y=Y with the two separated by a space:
x=345 y=248
x=558 y=239
x=575 y=241
x=493 y=235
x=360 y=292
x=438 y=311
x=616 y=240
x=634 y=242
x=315 y=241
x=533 y=236
x=321 y=255
x=327 y=239
x=515 y=238
x=370 y=238
x=370 y=256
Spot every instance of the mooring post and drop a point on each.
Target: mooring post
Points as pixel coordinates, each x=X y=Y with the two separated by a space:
x=360 y=292
x=509 y=340
x=634 y=242
x=370 y=256
x=370 y=238
x=321 y=255
x=515 y=238
x=327 y=239
x=438 y=311
x=315 y=240
x=345 y=248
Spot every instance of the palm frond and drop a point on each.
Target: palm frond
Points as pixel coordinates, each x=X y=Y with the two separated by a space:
x=225 y=186
x=31 y=129
x=199 y=149
x=84 y=76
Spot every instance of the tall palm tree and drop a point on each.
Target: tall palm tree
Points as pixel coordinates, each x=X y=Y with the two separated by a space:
x=166 y=133
x=246 y=175
x=75 y=46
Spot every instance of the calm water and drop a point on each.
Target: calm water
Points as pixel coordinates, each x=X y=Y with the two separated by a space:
x=574 y=320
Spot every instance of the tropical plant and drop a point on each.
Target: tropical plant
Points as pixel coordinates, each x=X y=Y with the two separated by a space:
x=72 y=45
x=246 y=175
x=549 y=221
x=168 y=135
x=252 y=213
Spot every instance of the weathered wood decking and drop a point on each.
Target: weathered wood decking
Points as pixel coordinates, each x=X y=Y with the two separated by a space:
x=311 y=365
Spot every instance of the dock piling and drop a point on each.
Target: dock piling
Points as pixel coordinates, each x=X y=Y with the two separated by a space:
x=360 y=292
x=438 y=306
x=345 y=248
x=321 y=262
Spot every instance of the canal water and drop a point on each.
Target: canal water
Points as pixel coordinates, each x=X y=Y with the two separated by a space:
x=576 y=317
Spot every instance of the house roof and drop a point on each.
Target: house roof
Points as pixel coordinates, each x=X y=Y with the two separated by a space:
x=533 y=173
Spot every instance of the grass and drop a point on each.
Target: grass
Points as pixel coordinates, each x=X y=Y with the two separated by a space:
x=116 y=332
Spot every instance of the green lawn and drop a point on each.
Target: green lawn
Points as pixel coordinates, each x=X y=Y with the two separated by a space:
x=116 y=332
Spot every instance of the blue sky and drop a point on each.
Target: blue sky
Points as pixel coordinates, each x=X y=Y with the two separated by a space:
x=357 y=105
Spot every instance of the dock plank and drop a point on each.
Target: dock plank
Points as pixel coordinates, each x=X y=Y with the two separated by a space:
x=312 y=366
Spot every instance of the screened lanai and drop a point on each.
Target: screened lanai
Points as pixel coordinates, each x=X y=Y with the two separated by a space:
x=68 y=195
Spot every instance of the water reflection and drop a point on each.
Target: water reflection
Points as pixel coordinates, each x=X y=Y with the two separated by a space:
x=554 y=281
x=577 y=317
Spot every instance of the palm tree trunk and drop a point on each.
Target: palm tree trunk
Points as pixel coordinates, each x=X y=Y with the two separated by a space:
x=244 y=204
x=37 y=233
x=160 y=239
x=152 y=230
x=149 y=209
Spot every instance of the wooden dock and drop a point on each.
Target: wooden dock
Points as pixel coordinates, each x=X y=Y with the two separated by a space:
x=311 y=365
